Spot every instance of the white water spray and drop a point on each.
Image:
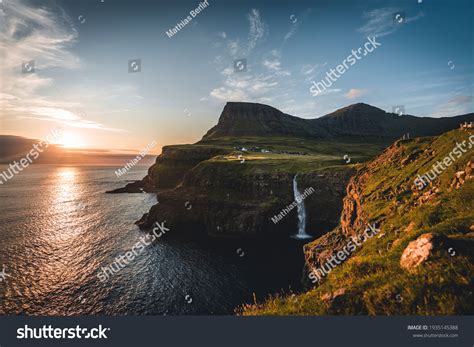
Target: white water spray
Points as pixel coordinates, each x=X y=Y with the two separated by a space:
x=301 y=213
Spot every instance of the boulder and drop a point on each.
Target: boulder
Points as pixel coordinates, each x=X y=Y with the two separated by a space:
x=421 y=249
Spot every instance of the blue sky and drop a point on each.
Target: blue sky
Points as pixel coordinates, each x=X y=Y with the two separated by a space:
x=81 y=50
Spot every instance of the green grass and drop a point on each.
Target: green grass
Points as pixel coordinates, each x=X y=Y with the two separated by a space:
x=318 y=155
x=220 y=158
x=374 y=282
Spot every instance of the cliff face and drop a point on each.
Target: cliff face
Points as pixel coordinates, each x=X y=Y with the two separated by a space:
x=420 y=259
x=223 y=199
x=175 y=161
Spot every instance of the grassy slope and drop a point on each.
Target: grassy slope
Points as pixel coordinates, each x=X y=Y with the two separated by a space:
x=320 y=155
x=375 y=283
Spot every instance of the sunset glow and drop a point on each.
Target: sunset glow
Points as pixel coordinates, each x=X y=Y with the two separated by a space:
x=71 y=140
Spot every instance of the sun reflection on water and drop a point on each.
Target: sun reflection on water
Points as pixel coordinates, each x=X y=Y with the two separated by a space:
x=66 y=189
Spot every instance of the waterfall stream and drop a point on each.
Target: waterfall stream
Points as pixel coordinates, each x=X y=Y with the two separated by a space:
x=301 y=234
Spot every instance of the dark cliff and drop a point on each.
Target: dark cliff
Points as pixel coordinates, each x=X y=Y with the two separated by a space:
x=355 y=122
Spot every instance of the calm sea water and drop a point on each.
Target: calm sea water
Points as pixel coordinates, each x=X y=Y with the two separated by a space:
x=58 y=228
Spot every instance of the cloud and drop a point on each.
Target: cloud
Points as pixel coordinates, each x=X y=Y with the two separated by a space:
x=258 y=28
x=245 y=87
x=330 y=91
x=454 y=107
x=310 y=71
x=46 y=36
x=251 y=85
x=355 y=93
x=266 y=79
x=273 y=63
x=54 y=113
x=227 y=94
x=296 y=22
x=239 y=48
x=380 y=22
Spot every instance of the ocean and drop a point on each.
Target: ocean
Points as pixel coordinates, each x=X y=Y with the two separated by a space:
x=58 y=228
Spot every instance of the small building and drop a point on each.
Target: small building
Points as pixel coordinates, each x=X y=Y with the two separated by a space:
x=467 y=126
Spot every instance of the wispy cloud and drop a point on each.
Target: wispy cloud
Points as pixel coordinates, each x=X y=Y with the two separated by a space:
x=310 y=71
x=272 y=62
x=380 y=22
x=229 y=94
x=46 y=36
x=258 y=29
x=455 y=106
x=296 y=23
x=251 y=85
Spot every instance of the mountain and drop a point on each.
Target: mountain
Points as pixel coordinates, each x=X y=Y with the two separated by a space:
x=368 y=121
x=241 y=173
x=250 y=119
x=358 y=121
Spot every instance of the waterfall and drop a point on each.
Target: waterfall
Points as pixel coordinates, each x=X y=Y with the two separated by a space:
x=301 y=213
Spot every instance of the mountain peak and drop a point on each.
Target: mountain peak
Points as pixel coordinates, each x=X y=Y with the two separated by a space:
x=247 y=109
x=360 y=120
x=357 y=110
x=253 y=119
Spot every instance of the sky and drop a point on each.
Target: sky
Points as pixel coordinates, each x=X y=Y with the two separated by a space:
x=81 y=81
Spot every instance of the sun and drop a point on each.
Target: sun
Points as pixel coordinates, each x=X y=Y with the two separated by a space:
x=70 y=140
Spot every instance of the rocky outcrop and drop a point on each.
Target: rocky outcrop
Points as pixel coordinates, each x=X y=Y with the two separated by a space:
x=421 y=250
x=462 y=176
x=354 y=218
x=318 y=252
x=146 y=185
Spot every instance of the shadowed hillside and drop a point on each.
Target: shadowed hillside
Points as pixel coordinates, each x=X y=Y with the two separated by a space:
x=351 y=123
x=420 y=262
